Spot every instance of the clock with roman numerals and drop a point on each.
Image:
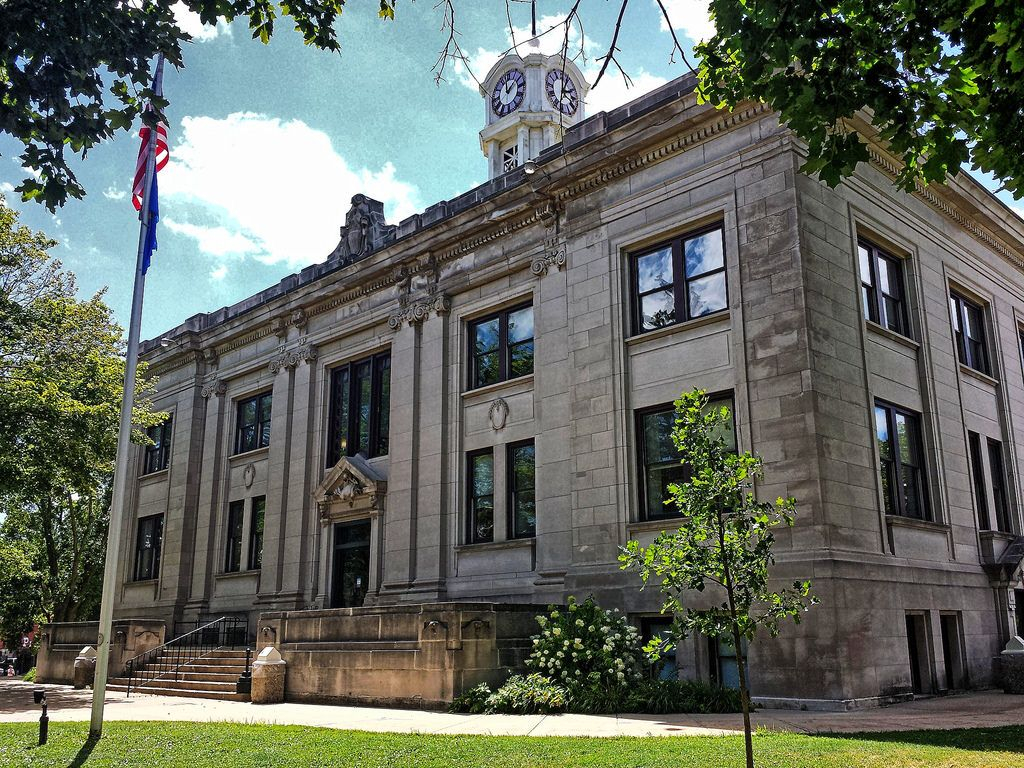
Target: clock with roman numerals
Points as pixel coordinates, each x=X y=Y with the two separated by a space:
x=508 y=93
x=562 y=92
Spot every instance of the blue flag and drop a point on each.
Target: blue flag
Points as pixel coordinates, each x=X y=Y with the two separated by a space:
x=154 y=217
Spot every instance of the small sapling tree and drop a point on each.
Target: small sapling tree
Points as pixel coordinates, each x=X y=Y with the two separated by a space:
x=723 y=545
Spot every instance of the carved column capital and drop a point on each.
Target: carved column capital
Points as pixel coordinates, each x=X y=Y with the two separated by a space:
x=217 y=388
x=418 y=311
x=553 y=256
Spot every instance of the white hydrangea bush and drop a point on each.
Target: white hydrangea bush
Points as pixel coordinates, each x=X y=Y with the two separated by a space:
x=584 y=645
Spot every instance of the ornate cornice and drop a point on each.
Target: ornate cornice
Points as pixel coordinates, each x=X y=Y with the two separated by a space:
x=892 y=167
x=418 y=311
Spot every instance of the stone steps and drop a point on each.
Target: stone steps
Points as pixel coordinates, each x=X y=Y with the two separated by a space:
x=152 y=690
x=214 y=675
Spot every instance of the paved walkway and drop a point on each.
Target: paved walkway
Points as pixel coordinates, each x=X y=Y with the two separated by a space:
x=973 y=710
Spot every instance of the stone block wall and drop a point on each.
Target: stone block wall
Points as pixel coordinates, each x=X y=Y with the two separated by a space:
x=410 y=655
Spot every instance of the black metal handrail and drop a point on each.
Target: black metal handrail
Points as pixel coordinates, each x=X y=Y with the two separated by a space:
x=225 y=632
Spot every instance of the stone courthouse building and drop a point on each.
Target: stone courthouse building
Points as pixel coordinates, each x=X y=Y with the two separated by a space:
x=472 y=405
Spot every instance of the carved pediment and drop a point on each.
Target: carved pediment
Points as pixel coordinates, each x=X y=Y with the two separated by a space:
x=351 y=484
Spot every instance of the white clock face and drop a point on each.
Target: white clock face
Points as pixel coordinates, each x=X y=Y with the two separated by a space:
x=508 y=93
x=562 y=92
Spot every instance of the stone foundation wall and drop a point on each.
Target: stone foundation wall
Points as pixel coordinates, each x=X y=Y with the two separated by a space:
x=406 y=655
x=61 y=642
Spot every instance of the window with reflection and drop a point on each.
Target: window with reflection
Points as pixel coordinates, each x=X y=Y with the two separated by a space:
x=252 y=426
x=881 y=278
x=680 y=280
x=360 y=408
x=259 y=508
x=501 y=346
x=969 y=333
x=659 y=458
x=158 y=453
x=480 y=475
x=148 y=539
x=898 y=432
x=522 y=489
x=233 y=540
x=1000 y=504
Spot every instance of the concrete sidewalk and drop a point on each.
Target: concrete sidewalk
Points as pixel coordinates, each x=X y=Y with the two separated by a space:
x=973 y=710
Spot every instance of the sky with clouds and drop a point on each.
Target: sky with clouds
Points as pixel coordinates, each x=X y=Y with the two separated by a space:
x=269 y=143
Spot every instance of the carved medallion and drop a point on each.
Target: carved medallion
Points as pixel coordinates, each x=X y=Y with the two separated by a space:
x=249 y=475
x=497 y=414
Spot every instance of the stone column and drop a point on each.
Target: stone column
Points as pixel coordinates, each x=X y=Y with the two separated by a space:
x=282 y=417
x=397 y=521
x=430 y=537
x=302 y=475
x=551 y=396
x=209 y=474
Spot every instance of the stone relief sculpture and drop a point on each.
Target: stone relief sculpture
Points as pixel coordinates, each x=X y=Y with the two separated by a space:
x=364 y=230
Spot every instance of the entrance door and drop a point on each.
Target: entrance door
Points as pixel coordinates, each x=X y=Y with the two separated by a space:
x=351 y=575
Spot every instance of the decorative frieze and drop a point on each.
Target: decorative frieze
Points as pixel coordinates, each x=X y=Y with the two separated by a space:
x=417 y=312
x=217 y=388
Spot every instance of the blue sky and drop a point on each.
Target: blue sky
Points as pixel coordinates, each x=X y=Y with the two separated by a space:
x=269 y=143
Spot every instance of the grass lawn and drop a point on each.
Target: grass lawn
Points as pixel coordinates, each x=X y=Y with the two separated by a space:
x=224 y=745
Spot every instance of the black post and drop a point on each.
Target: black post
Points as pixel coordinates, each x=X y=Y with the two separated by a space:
x=44 y=723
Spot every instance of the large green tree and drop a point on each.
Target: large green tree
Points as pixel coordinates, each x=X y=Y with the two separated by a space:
x=61 y=381
x=942 y=80
x=74 y=73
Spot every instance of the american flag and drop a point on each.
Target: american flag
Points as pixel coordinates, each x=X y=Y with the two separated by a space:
x=162 y=155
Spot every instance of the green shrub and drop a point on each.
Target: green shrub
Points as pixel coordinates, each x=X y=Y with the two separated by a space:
x=30 y=676
x=530 y=695
x=663 y=697
x=473 y=701
x=586 y=647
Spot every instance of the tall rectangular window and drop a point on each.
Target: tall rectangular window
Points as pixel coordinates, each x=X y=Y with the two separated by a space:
x=259 y=506
x=501 y=346
x=147 y=547
x=252 y=429
x=978 y=480
x=360 y=407
x=522 y=489
x=158 y=454
x=666 y=668
x=659 y=458
x=680 y=280
x=233 y=544
x=881 y=277
x=1000 y=503
x=899 y=446
x=481 y=496
x=969 y=333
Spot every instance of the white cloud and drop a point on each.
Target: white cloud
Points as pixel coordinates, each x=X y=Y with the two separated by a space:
x=255 y=186
x=611 y=92
x=219 y=273
x=189 y=21
x=6 y=187
x=214 y=240
x=113 y=193
x=689 y=17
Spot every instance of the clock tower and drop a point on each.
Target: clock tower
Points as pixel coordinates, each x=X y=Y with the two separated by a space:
x=530 y=101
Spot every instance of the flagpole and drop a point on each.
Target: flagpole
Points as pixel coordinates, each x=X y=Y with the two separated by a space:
x=123 y=438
